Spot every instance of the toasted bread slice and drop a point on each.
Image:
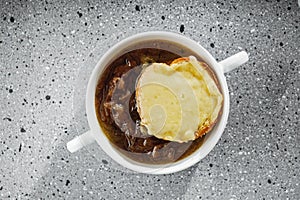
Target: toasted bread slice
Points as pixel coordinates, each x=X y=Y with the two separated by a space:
x=178 y=102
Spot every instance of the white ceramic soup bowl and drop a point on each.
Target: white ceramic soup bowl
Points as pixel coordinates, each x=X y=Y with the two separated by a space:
x=96 y=133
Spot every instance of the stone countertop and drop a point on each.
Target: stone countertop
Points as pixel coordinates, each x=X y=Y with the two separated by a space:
x=48 y=49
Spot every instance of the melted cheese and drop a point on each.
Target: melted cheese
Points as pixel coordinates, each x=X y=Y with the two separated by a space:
x=176 y=101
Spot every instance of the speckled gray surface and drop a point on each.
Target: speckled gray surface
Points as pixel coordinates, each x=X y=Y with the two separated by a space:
x=48 y=49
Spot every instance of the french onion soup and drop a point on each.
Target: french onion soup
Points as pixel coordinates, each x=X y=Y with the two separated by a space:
x=156 y=102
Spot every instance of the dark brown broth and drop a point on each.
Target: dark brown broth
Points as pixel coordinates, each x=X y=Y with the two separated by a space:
x=117 y=113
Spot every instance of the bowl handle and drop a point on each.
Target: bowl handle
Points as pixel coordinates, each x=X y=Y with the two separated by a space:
x=234 y=61
x=80 y=141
